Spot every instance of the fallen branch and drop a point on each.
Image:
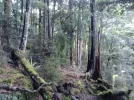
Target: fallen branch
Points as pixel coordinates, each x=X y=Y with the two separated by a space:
x=11 y=88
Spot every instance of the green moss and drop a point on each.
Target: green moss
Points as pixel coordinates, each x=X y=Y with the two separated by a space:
x=28 y=66
x=90 y=91
x=18 y=79
x=48 y=95
x=27 y=84
x=79 y=84
x=31 y=70
x=1 y=80
x=66 y=98
x=13 y=77
x=75 y=91
x=108 y=92
x=99 y=89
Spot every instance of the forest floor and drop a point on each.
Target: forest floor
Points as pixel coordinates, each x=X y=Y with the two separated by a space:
x=74 y=84
x=75 y=76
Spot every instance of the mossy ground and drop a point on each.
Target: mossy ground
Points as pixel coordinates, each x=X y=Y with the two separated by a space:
x=13 y=77
x=86 y=89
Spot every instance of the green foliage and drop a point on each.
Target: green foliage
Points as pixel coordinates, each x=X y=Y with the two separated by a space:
x=6 y=97
x=66 y=98
x=18 y=96
x=47 y=96
x=117 y=52
x=117 y=40
x=61 y=45
x=49 y=70
x=38 y=4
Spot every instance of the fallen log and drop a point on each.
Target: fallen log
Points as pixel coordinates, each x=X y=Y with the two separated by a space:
x=28 y=67
x=18 y=55
x=36 y=79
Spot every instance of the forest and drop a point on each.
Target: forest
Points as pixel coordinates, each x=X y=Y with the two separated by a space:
x=66 y=49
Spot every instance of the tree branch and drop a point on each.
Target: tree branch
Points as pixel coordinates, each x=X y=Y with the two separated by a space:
x=10 y=88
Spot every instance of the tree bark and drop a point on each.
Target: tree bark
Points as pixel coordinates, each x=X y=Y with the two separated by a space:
x=91 y=55
x=99 y=54
x=97 y=70
x=44 y=21
x=71 y=33
x=79 y=40
x=21 y=17
x=7 y=13
x=24 y=36
x=37 y=80
x=40 y=33
x=48 y=20
x=53 y=21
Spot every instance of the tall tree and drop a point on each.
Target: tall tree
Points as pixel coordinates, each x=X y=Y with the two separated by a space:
x=44 y=20
x=71 y=32
x=48 y=20
x=79 y=40
x=91 y=55
x=22 y=5
x=39 y=38
x=7 y=14
x=97 y=69
x=53 y=21
x=24 y=37
x=99 y=54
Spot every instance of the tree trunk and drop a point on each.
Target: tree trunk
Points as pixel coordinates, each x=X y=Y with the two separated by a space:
x=21 y=18
x=30 y=69
x=71 y=33
x=16 y=16
x=24 y=37
x=7 y=13
x=91 y=59
x=39 y=37
x=79 y=41
x=48 y=20
x=97 y=70
x=44 y=21
x=53 y=21
x=37 y=80
x=99 y=54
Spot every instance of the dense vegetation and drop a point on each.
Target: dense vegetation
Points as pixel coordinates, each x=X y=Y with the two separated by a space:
x=66 y=49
